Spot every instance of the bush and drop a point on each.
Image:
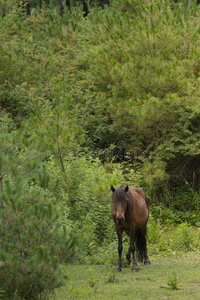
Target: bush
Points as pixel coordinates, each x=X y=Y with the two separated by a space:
x=153 y=231
x=89 y=195
x=33 y=246
x=185 y=238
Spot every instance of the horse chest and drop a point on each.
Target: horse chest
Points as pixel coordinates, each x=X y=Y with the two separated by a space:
x=126 y=227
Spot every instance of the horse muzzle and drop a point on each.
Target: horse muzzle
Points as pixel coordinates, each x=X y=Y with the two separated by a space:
x=120 y=221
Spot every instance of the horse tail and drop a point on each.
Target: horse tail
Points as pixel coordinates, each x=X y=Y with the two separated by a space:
x=147 y=200
x=140 y=244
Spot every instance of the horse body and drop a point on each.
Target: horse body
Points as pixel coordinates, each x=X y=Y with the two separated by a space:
x=130 y=211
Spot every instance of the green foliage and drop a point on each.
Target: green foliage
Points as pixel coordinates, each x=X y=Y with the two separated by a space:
x=111 y=276
x=33 y=244
x=173 y=282
x=172 y=239
x=28 y=253
x=87 y=201
x=185 y=238
x=92 y=280
x=6 y=5
x=89 y=193
x=140 y=65
x=154 y=231
x=121 y=77
x=168 y=216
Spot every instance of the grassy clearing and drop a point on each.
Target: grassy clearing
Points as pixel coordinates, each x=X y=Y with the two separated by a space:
x=175 y=277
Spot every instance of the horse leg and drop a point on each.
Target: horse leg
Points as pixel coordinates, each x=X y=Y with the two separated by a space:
x=146 y=257
x=120 y=248
x=144 y=242
x=132 y=249
x=128 y=256
x=139 y=245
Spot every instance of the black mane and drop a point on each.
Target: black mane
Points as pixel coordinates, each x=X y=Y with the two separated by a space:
x=119 y=194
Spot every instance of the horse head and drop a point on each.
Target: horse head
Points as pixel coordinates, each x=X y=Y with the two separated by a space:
x=119 y=203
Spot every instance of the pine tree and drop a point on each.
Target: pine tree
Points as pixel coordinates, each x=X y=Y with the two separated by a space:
x=32 y=244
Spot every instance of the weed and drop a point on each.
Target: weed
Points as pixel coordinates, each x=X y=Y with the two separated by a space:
x=111 y=276
x=173 y=282
x=91 y=280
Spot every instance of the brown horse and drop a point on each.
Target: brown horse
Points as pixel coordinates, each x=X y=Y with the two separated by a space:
x=130 y=211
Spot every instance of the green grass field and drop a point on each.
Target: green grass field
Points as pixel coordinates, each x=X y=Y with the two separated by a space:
x=175 y=277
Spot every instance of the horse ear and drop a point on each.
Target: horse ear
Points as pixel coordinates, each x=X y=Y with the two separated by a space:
x=126 y=189
x=112 y=189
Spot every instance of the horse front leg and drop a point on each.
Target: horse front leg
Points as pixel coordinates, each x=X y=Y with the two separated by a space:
x=132 y=249
x=120 y=249
x=128 y=256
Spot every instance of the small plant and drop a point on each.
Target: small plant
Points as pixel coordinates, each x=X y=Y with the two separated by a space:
x=91 y=280
x=111 y=276
x=173 y=282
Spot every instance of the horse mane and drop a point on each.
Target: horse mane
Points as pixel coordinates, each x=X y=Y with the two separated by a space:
x=119 y=193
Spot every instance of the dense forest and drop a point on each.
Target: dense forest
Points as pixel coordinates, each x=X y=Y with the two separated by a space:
x=92 y=94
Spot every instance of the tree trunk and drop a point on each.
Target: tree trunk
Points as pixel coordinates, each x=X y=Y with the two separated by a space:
x=61 y=8
x=103 y=2
x=3 y=12
x=26 y=7
x=166 y=194
x=68 y=4
x=85 y=9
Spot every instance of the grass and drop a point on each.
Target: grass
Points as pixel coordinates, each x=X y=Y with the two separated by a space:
x=172 y=277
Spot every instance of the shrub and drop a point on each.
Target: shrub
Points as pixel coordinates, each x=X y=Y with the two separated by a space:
x=153 y=231
x=32 y=244
x=184 y=238
x=173 y=282
x=89 y=194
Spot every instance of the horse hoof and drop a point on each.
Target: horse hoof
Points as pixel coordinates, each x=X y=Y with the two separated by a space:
x=135 y=269
x=147 y=263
